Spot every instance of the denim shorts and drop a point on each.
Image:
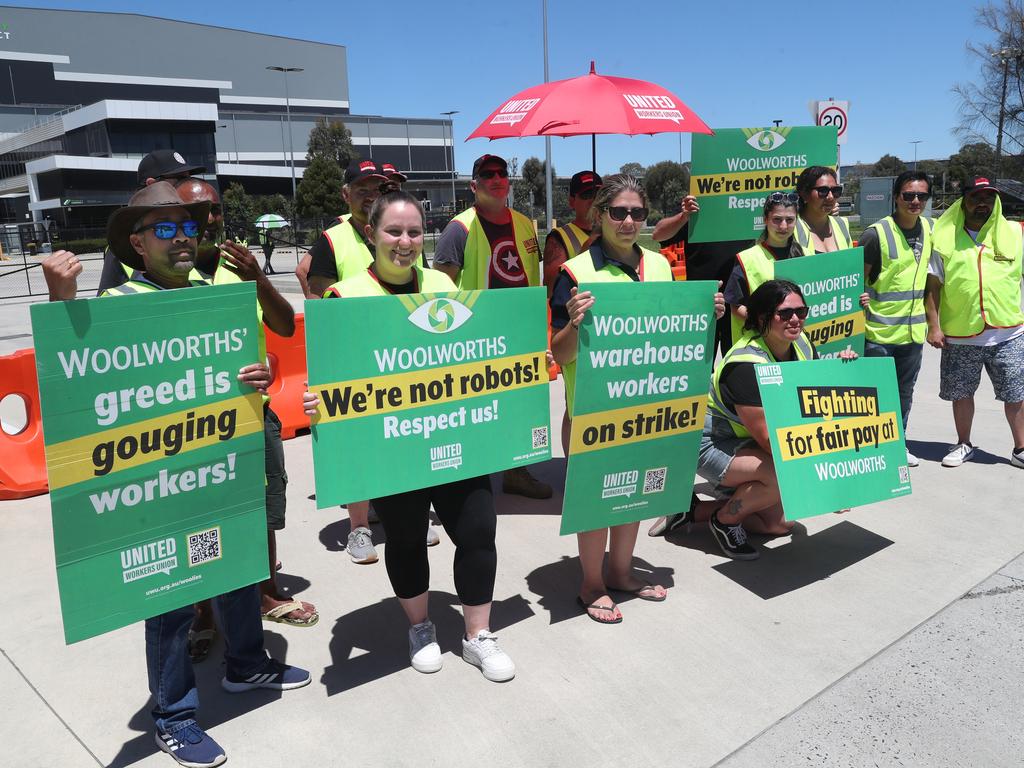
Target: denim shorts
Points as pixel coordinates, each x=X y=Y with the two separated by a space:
x=961 y=364
x=716 y=453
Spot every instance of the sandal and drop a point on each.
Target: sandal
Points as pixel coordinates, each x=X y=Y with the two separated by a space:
x=199 y=643
x=596 y=607
x=279 y=614
x=642 y=593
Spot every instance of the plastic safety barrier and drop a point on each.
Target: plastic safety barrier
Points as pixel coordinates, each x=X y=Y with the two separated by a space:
x=22 y=457
x=287 y=359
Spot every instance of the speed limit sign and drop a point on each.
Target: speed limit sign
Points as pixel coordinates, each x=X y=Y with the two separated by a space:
x=835 y=113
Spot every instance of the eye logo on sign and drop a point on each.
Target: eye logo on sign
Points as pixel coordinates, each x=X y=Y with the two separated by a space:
x=440 y=315
x=766 y=140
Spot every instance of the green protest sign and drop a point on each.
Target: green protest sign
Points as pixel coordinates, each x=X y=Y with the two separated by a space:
x=423 y=389
x=734 y=170
x=836 y=433
x=642 y=372
x=154 y=451
x=832 y=284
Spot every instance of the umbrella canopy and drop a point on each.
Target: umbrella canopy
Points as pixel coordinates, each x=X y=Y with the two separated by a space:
x=591 y=104
x=271 y=221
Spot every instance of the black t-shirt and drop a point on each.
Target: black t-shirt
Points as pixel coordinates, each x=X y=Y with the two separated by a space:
x=322 y=262
x=738 y=382
x=708 y=261
x=737 y=289
x=873 y=250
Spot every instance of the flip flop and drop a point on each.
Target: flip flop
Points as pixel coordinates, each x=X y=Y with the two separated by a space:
x=199 y=644
x=279 y=614
x=597 y=607
x=639 y=593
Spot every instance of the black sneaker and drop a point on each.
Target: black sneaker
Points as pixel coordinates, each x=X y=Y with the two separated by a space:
x=663 y=526
x=275 y=675
x=732 y=539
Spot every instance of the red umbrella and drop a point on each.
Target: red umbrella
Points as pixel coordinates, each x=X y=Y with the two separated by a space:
x=591 y=104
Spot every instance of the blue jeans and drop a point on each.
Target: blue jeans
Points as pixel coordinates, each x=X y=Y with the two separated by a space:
x=171 y=679
x=907 y=358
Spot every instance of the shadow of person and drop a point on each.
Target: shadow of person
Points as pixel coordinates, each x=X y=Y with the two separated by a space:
x=557 y=585
x=935 y=451
x=216 y=705
x=289 y=585
x=373 y=642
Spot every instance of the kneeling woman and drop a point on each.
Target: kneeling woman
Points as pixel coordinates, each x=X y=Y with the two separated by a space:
x=465 y=507
x=735 y=454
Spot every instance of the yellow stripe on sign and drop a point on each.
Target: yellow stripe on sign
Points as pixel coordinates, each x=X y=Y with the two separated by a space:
x=837 y=328
x=132 y=445
x=395 y=392
x=820 y=438
x=627 y=426
x=778 y=180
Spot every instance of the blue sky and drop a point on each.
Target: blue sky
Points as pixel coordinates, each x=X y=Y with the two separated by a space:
x=737 y=64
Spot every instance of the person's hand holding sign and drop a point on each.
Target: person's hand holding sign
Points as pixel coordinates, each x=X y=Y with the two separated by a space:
x=61 y=270
x=578 y=304
x=256 y=376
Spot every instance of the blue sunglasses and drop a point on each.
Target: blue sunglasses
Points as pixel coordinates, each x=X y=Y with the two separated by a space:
x=166 y=230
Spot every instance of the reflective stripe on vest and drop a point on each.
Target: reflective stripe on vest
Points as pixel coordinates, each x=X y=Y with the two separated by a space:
x=367 y=284
x=653 y=268
x=351 y=253
x=136 y=286
x=895 y=313
x=840 y=231
x=476 y=260
x=573 y=238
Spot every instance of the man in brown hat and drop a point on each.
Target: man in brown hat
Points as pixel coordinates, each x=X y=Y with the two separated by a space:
x=157 y=235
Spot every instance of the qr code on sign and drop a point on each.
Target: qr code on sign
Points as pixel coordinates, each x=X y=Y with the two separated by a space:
x=204 y=546
x=654 y=480
x=904 y=474
x=540 y=437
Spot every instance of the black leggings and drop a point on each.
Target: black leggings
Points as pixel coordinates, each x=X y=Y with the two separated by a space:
x=466 y=510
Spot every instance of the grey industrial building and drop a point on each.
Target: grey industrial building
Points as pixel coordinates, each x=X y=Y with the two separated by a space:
x=87 y=94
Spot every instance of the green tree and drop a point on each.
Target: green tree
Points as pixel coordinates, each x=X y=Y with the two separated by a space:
x=977 y=159
x=333 y=140
x=667 y=183
x=633 y=169
x=239 y=208
x=531 y=180
x=888 y=165
x=319 y=193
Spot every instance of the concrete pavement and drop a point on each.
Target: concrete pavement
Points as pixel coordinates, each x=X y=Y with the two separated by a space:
x=759 y=656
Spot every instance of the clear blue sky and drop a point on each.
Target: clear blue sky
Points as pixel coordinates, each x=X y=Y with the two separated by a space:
x=737 y=64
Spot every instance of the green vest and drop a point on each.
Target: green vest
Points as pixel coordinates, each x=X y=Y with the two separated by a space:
x=981 y=287
x=895 y=313
x=573 y=239
x=749 y=348
x=653 y=268
x=758 y=267
x=840 y=230
x=352 y=255
x=367 y=284
x=476 y=260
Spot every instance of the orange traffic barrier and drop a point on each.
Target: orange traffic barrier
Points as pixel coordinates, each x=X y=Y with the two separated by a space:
x=287 y=360
x=22 y=458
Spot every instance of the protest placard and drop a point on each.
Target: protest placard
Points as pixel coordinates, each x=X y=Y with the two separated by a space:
x=642 y=373
x=836 y=433
x=734 y=170
x=422 y=389
x=154 y=451
x=832 y=284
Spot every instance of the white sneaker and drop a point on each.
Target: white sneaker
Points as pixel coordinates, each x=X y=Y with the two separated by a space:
x=958 y=454
x=432 y=537
x=424 y=652
x=912 y=460
x=483 y=651
x=1017 y=458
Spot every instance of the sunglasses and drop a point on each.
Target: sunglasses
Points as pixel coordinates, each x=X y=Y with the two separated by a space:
x=823 y=192
x=911 y=196
x=784 y=197
x=492 y=172
x=785 y=315
x=620 y=212
x=166 y=230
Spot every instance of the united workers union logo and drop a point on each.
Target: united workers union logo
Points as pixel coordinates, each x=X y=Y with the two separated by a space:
x=766 y=139
x=440 y=315
x=658 y=107
x=514 y=111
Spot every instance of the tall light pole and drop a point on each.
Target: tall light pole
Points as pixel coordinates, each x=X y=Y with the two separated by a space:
x=915 y=142
x=451 y=134
x=1004 y=55
x=548 y=193
x=288 y=116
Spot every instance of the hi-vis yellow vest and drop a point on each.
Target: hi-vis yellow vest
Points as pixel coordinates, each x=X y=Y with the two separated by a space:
x=573 y=239
x=653 y=268
x=749 y=348
x=758 y=267
x=981 y=287
x=895 y=313
x=840 y=230
x=137 y=286
x=367 y=284
x=477 y=258
x=226 y=276
x=352 y=255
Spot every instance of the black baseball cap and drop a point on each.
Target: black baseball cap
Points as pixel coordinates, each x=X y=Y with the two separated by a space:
x=363 y=169
x=583 y=181
x=978 y=183
x=166 y=164
x=488 y=159
x=393 y=173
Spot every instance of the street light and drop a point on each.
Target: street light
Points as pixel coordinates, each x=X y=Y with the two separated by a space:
x=915 y=142
x=451 y=134
x=288 y=114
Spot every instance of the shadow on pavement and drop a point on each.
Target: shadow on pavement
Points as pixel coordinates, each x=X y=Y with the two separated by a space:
x=804 y=560
x=933 y=451
x=551 y=472
x=557 y=585
x=373 y=642
x=216 y=705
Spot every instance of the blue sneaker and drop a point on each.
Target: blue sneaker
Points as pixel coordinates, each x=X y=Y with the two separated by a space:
x=192 y=747
x=275 y=675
